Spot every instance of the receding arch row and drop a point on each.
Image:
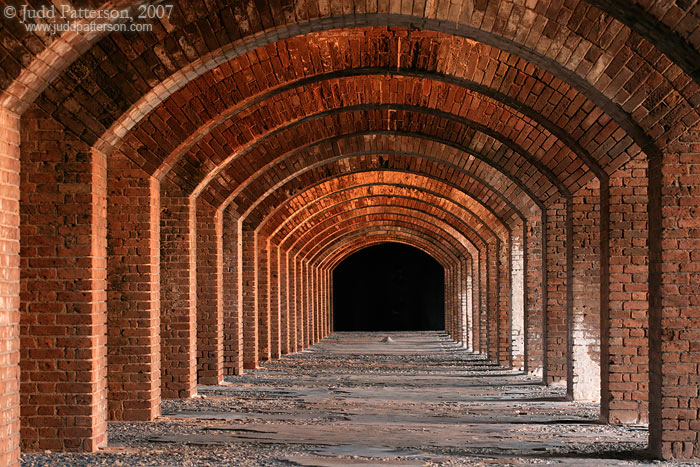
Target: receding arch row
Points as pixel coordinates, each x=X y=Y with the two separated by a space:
x=228 y=114
x=366 y=181
x=373 y=117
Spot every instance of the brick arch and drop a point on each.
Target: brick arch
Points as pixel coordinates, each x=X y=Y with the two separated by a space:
x=461 y=320
x=479 y=176
x=326 y=229
x=659 y=124
x=502 y=154
x=344 y=119
x=288 y=318
x=380 y=182
x=272 y=206
x=376 y=239
x=426 y=227
x=202 y=134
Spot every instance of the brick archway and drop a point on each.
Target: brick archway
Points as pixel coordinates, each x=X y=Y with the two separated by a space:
x=567 y=137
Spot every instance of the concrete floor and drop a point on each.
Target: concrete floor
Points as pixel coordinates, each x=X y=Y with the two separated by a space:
x=356 y=400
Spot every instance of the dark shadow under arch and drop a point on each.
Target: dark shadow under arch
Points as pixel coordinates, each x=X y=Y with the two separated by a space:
x=388 y=287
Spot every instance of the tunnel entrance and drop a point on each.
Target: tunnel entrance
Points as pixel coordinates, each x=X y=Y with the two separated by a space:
x=388 y=287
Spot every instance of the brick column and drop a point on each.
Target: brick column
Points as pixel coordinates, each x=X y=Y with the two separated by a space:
x=491 y=320
x=625 y=384
x=298 y=308
x=518 y=292
x=294 y=341
x=178 y=293
x=447 y=310
x=232 y=316
x=210 y=330
x=247 y=254
x=674 y=298
x=307 y=305
x=484 y=301
x=587 y=225
x=262 y=300
x=285 y=316
x=475 y=323
x=557 y=331
x=535 y=265
x=63 y=328
x=9 y=287
x=273 y=289
x=505 y=334
x=133 y=297
x=467 y=305
x=317 y=304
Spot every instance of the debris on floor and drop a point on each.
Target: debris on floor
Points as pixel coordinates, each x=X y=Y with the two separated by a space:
x=353 y=399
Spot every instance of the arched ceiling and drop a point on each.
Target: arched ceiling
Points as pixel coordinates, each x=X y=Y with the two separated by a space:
x=481 y=110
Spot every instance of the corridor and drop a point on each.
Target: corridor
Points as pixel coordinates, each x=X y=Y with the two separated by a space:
x=400 y=398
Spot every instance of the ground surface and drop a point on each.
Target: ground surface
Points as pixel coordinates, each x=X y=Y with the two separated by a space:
x=355 y=400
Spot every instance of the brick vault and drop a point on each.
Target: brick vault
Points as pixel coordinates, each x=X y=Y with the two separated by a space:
x=174 y=201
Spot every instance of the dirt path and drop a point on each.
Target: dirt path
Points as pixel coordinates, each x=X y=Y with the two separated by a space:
x=355 y=399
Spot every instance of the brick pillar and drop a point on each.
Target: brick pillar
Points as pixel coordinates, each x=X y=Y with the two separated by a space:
x=475 y=324
x=210 y=330
x=317 y=304
x=557 y=331
x=330 y=301
x=625 y=388
x=586 y=221
x=285 y=317
x=505 y=334
x=447 y=311
x=298 y=309
x=484 y=301
x=262 y=301
x=273 y=293
x=492 y=310
x=133 y=297
x=9 y=287
x=462 y=291
x=232 y=316
x=674 y=298
x=517 y=314
x=307 y=305
x=247 y=254
x=178 y=293
x=291 y=304
x=535 y=265
x=467 y=305
x=456 y=320
x=63 y=326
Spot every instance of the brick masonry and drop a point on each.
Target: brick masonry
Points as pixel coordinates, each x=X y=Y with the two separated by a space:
x=184 y=195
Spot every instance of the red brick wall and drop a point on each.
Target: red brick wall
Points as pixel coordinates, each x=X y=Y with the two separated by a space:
x=63 y=355
x=210 y=331
x=264 y=317
x=247 y=254
x=9 y=287
x=626 y=387
x=178 y=293
x=133 y=297
x=504 y=303
x=492 y=322
x=232 y=316
x=273 y=292
x=674 y=311
x=586 y=221
x=534 y=308
x=557 y=293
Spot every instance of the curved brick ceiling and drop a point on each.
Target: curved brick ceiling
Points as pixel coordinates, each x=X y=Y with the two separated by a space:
x=318 y=127
x=331 y=55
